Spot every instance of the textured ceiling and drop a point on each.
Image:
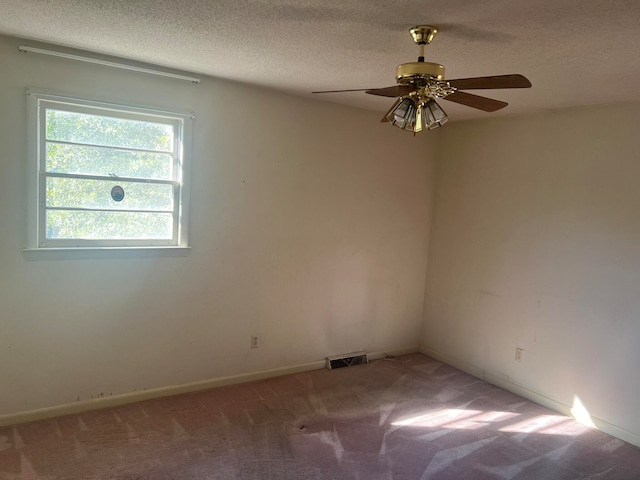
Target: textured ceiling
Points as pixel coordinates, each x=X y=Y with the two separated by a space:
x=575 y=52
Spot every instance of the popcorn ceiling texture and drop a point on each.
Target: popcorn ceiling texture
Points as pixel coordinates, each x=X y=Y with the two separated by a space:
x=575 y=52
x=405 y=418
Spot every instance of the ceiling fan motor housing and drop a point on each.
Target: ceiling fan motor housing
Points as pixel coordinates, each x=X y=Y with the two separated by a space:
x=419 y=73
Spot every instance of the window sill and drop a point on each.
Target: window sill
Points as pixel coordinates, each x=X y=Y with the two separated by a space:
x=81 y=253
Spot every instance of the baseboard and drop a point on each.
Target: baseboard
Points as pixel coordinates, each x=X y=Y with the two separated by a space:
x=125 y=398
x=536 y=397
x=396 y=352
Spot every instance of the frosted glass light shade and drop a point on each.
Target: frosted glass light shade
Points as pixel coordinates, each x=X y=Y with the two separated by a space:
x=434 y=115
x=403 y=114
x=412 y=114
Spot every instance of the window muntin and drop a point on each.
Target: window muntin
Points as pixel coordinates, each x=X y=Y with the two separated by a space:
x=88 y=149
x=80 y=159
x=109 y=131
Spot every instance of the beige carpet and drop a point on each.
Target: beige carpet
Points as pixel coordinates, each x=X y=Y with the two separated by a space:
x=405 y=418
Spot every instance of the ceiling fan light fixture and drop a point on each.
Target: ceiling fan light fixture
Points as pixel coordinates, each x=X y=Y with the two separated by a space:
x=403 y=113
x=414 y=114
x=435 y=116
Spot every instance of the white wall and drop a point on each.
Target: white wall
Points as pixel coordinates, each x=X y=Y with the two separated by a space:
x=536 y=244
x=309 y=228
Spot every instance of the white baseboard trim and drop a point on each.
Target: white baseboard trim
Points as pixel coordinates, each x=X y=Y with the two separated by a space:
x=125 y=398
x=536 y=397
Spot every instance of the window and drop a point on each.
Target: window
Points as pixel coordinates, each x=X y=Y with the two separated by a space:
x=107 y=175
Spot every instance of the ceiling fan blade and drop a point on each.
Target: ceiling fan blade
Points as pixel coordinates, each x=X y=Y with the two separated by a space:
x=497 y=81
x=476 y=101
x=395 y=91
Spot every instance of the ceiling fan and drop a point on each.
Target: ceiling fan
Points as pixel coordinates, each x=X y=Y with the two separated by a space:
x=420 y=83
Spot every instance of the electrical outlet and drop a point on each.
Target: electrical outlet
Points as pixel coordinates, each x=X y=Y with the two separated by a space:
x=254 y=341
x=519 y=352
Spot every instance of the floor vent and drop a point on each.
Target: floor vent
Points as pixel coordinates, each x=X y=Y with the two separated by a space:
x=339 y=361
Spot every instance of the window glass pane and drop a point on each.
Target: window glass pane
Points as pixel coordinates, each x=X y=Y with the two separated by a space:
x=65 y=158
x=73 y=224
x=81 y=193
x=109 y=131
x=133 y=160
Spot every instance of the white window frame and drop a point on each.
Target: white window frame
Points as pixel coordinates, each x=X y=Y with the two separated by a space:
x=37 y=102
